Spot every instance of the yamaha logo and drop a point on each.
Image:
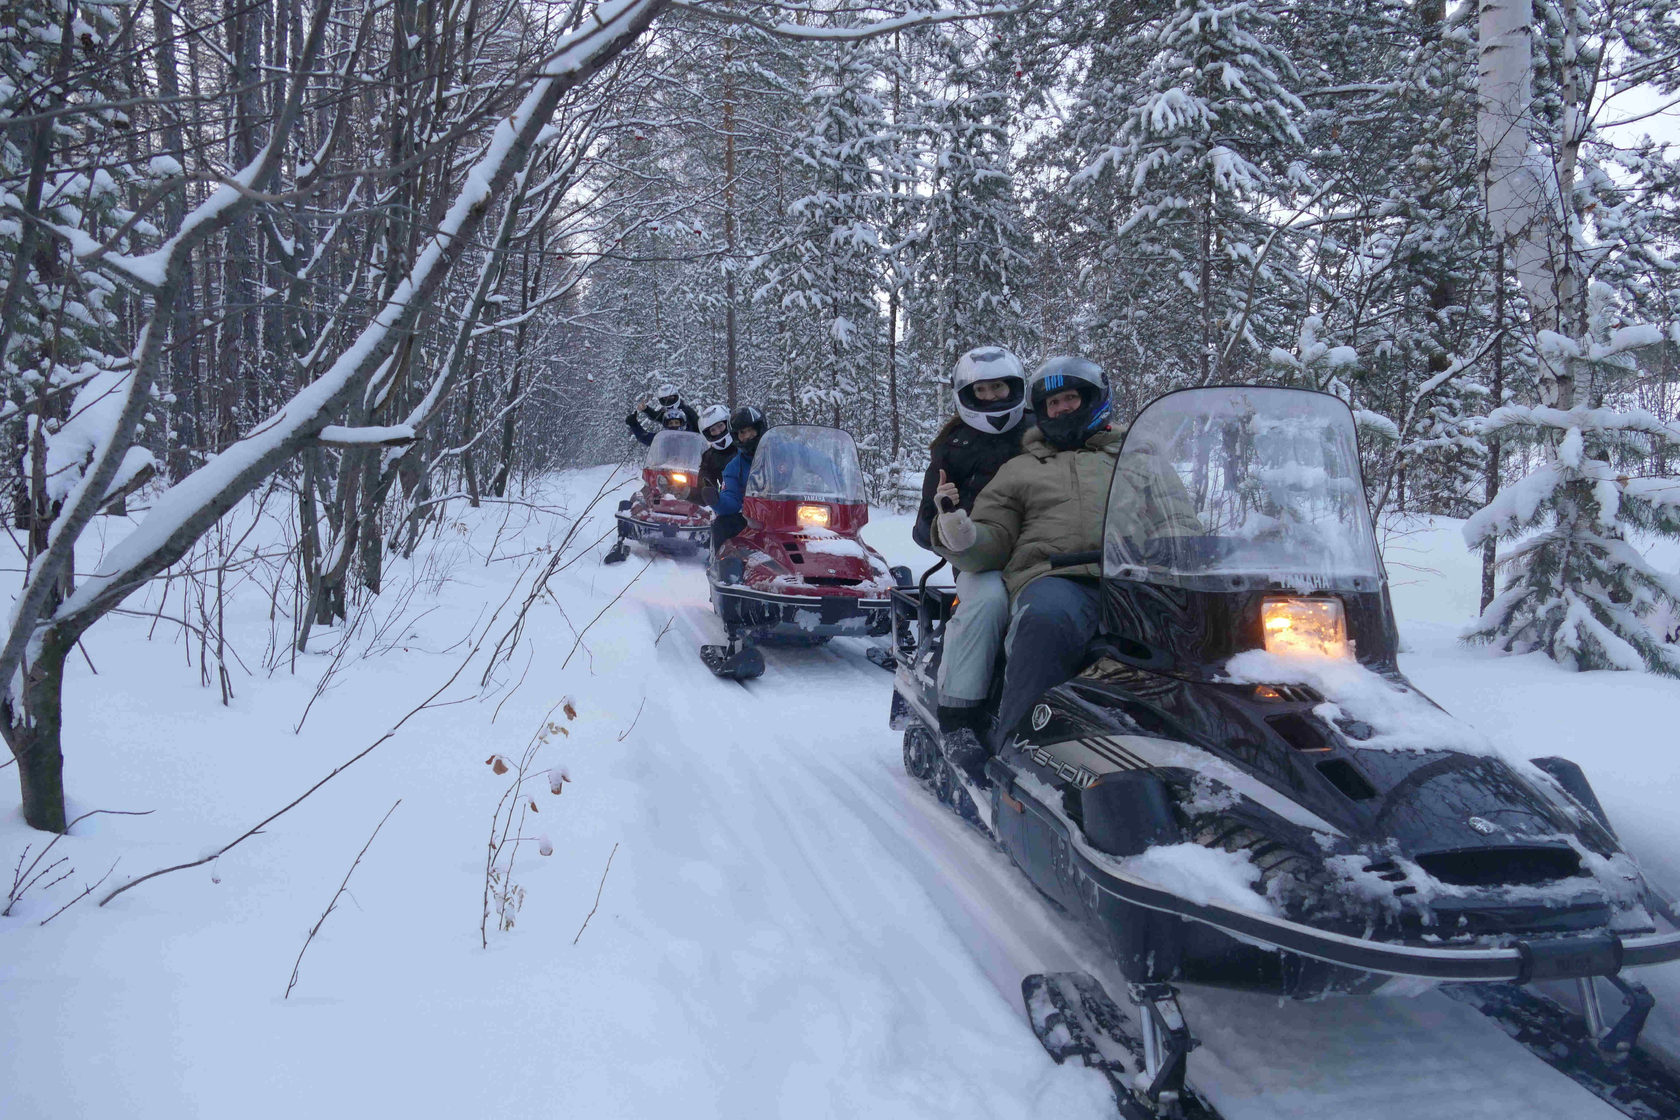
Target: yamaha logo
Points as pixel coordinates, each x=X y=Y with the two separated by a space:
x=1485 y=827
x=1041 y=716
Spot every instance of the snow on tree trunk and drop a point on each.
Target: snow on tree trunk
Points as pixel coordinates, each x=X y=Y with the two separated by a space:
x=1524 y=208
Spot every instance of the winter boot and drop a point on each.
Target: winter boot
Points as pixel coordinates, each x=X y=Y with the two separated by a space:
x=967 y=753
x=952 y=717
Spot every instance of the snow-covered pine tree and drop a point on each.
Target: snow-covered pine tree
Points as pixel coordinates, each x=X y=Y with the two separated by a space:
x=1401 y=265
x=1185 y=136
x=967 y=246
x=69 y=163
x=828 y=280
x=972 y=247
x=1580 y=585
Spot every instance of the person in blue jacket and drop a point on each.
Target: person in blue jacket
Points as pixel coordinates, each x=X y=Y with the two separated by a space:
x=747 y=426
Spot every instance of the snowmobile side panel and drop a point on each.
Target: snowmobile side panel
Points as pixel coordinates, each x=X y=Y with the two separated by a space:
x=1127 y=812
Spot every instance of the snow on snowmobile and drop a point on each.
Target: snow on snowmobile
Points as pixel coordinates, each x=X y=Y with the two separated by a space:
x=799 y=572
x=662 y=516
x=1241 y=789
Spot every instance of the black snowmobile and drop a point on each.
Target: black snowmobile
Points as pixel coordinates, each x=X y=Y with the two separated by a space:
x=1241 y=790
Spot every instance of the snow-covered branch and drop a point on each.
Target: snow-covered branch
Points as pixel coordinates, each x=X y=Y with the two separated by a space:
x=188 y=508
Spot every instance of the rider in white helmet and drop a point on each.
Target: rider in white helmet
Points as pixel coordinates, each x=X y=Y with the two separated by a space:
x=714 y=425
x=989 y=387
x=665 y=410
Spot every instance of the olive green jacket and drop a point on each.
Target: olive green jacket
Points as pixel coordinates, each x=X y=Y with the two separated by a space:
x=1044 y=502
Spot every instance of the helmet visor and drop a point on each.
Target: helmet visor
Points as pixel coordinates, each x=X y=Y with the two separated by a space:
x=1015 y=390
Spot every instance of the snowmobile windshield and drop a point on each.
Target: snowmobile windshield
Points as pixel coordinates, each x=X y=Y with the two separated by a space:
x=1230 y=488
x=805 y=462
x=675 y=451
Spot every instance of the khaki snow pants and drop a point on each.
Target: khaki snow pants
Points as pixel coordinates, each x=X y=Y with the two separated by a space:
x=972 y=639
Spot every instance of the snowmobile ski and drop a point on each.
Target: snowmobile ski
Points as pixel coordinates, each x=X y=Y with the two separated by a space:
x=1609 y=1066
x=1074 y=1018
x=882 y=656
x=618 y=553
x=741 y=664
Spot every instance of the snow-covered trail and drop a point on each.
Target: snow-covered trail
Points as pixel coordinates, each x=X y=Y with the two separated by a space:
x=789 y=926
x=847 y=845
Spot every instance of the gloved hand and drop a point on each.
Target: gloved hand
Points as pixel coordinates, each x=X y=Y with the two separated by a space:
x=956 y=531
x=631 y=419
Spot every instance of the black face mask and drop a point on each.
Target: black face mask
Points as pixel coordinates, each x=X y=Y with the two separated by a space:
x=748 y=446
x=1072 y=429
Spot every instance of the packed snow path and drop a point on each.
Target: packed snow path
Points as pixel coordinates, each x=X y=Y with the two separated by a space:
x=790 y=926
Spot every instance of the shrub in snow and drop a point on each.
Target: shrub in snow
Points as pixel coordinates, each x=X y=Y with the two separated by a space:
x=1577 y=585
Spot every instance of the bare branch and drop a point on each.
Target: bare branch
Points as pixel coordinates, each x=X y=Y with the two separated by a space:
x=332 y=904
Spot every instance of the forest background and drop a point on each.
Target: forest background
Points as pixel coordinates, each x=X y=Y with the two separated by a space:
x=365 y=260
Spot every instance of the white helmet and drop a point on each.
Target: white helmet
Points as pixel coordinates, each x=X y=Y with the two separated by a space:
x=716 y=414
x=669 y=397
x=989 y=363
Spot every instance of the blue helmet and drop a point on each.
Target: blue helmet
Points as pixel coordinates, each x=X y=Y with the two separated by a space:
x=1071 y=429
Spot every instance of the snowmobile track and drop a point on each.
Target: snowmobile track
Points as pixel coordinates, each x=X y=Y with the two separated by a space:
x=1074 y=1017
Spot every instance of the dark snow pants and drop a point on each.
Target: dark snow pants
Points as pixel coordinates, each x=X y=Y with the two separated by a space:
x=1053 y=621
x=725 y=526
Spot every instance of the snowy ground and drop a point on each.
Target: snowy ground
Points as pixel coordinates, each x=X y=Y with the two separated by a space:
x=789 y=927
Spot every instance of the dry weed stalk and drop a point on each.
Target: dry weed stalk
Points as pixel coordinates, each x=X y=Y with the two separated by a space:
x=507 y=824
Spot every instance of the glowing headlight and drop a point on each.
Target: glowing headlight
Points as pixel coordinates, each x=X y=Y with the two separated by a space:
x=678 y=478
x=1314 y=627
x=816 y=516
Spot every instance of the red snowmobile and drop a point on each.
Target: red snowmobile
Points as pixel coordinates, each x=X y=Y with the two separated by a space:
x=663 y=515
x=799 y=572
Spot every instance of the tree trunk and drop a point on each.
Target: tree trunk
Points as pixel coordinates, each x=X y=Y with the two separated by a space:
x=729 y=366
x=34 y=734
x=1521 y=206
x=1490 y=547
x=892 y=365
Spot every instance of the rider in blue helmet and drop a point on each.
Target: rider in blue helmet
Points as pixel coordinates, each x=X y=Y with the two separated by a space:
x=1050 y=501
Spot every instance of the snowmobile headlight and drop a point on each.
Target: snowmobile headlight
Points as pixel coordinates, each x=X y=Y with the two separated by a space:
x=678 y=478
x=813 y=516
x=1314 y=627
